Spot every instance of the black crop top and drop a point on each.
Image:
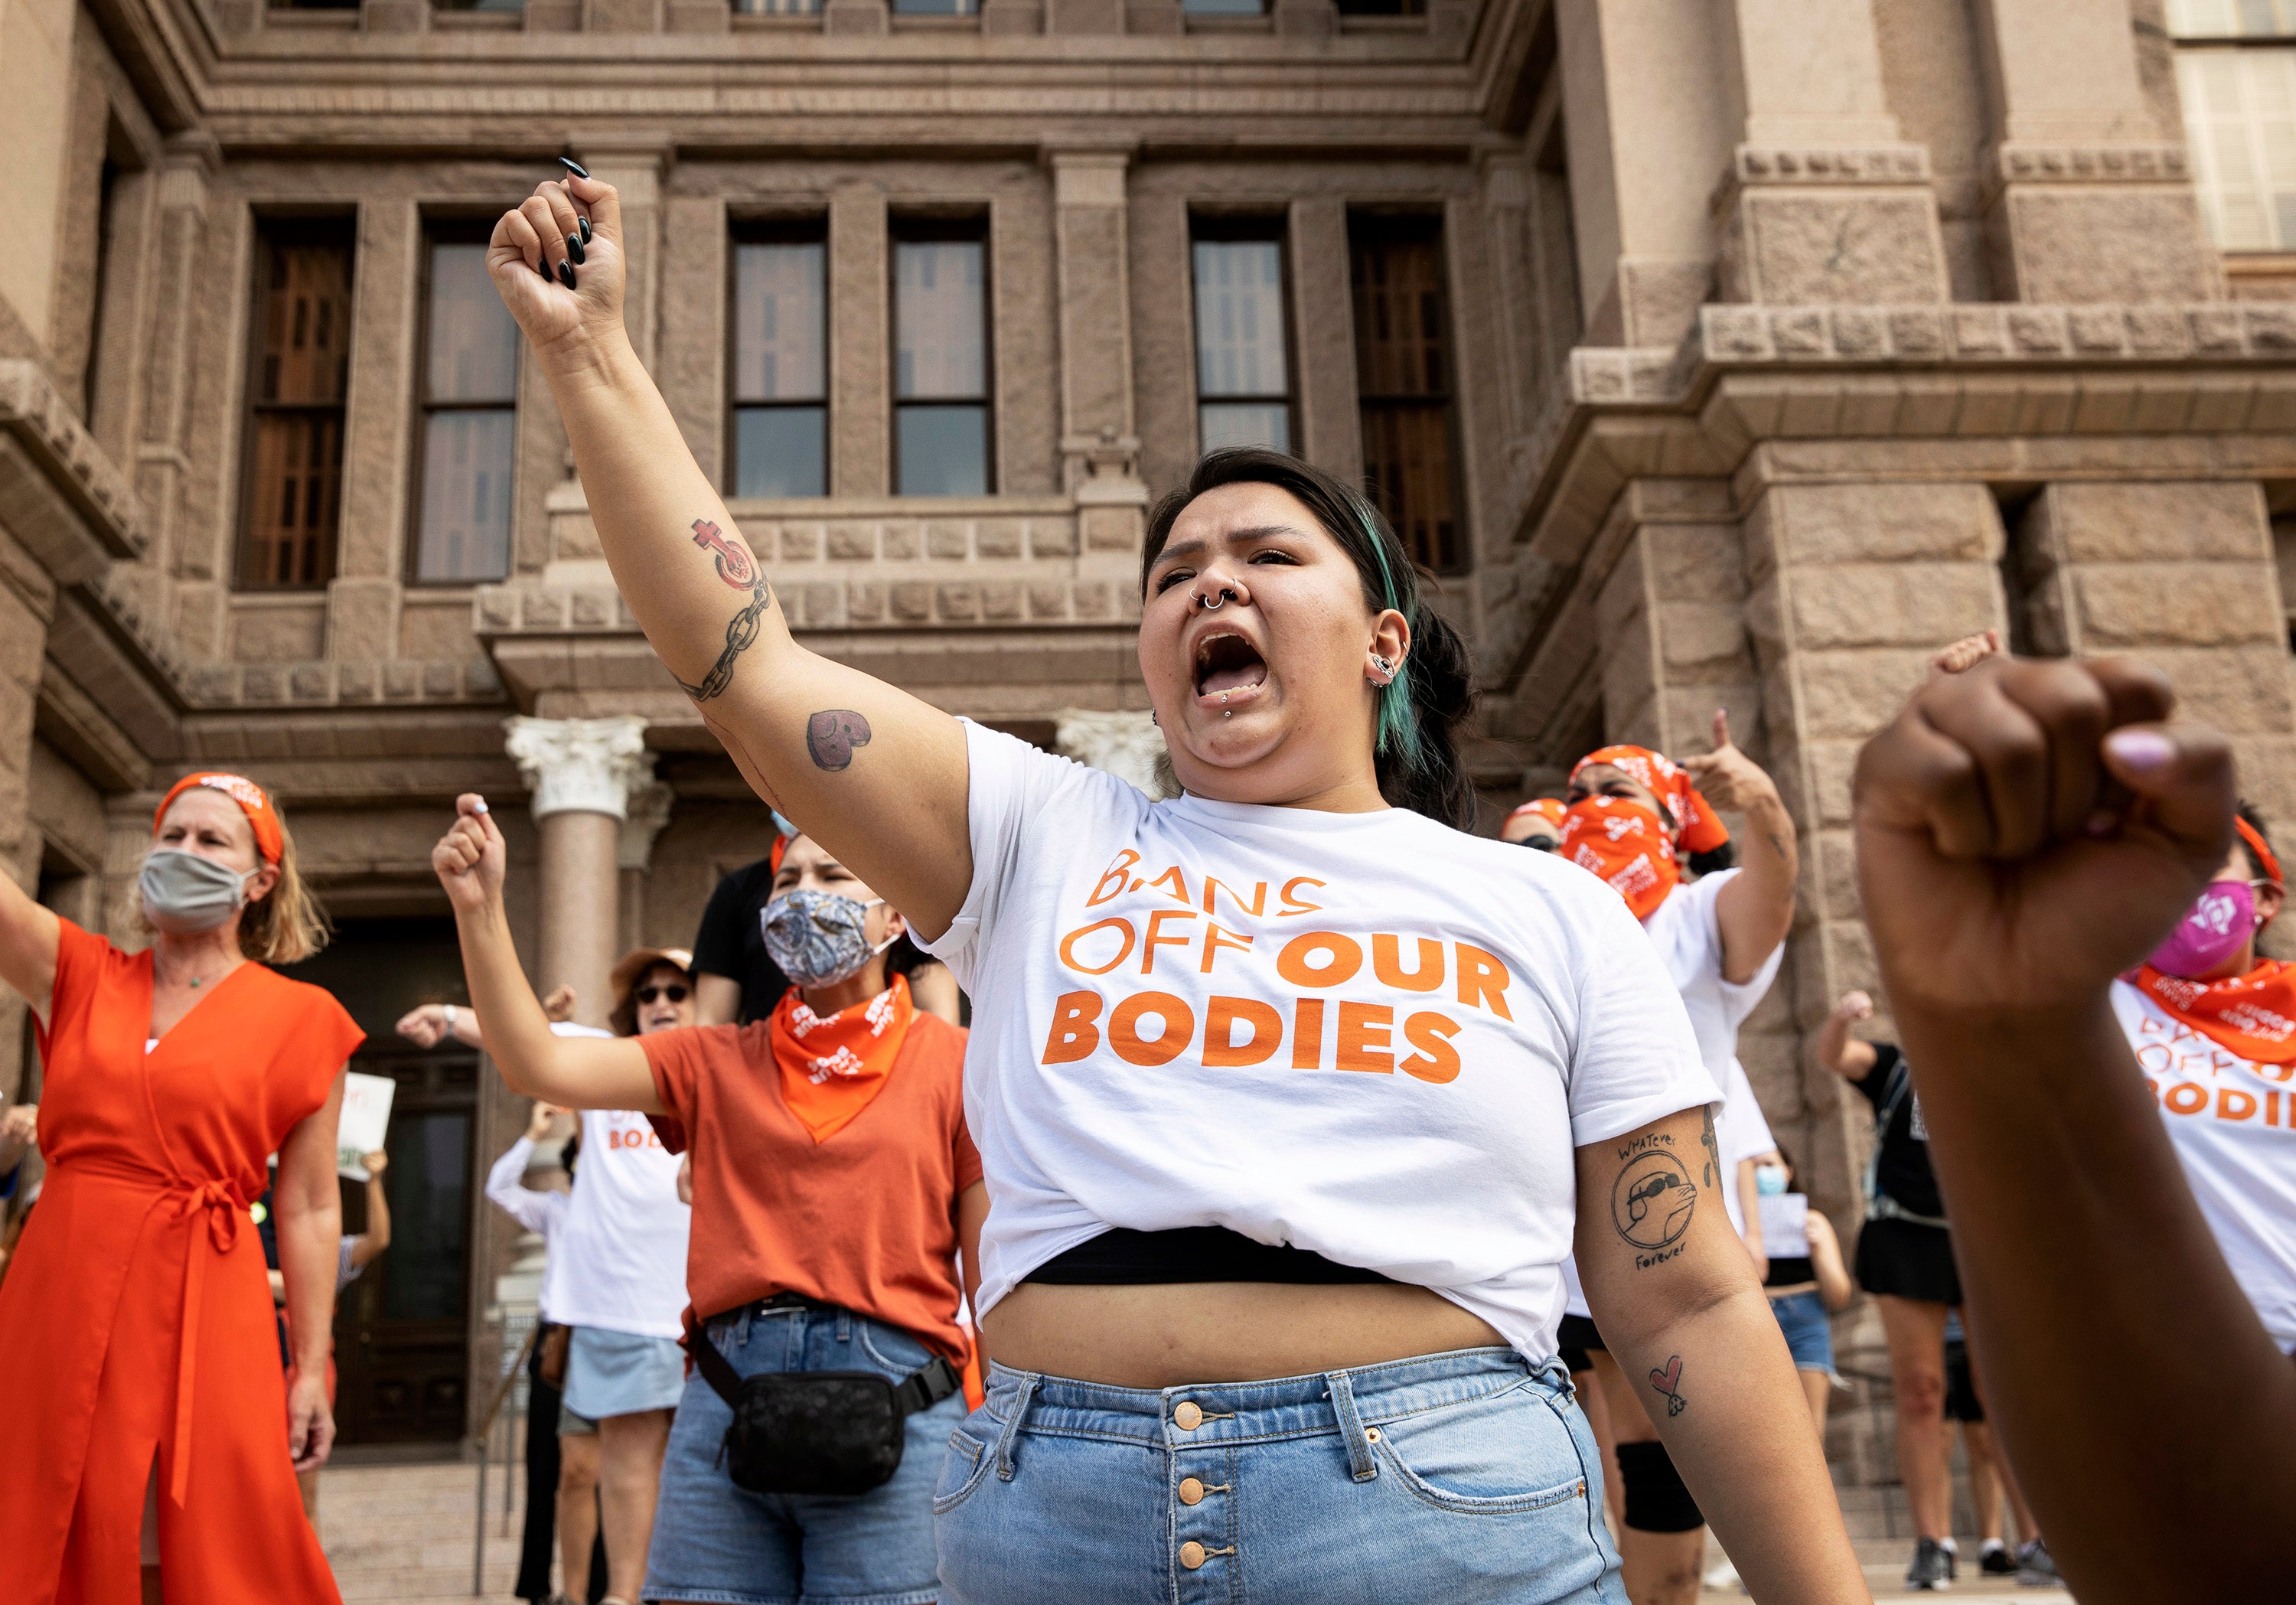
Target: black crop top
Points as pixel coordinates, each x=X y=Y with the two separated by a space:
x=1121 y=1257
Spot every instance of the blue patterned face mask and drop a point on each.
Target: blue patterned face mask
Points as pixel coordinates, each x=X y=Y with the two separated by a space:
x=819 y=939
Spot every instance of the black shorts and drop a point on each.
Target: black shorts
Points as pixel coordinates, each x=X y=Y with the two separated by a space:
x=1908 y=1260
x=1573 y=1340
x=1961 y=1401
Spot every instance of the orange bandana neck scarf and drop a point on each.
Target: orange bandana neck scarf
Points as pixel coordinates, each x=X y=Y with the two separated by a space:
x=832 y=1068
x=2252 y=1015
x=1696 y=829
x=1625 y=844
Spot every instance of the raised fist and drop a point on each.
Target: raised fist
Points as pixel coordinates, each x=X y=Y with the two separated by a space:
x=2028 y=831
x=470 y=857
x=556 y=259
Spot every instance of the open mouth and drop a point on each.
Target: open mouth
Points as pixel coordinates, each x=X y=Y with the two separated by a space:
x=1227 y=662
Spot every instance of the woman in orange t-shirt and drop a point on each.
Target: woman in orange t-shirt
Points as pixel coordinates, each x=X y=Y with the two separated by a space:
x=834 y=1182
x=136 y=1327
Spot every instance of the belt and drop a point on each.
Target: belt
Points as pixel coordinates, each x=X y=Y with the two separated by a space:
x=773 y=1301
x=221 y=1204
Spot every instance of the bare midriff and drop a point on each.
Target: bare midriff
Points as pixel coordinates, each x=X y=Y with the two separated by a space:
x=1171 y=1334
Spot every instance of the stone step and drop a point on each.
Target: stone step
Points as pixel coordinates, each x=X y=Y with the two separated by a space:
x=404 y=1533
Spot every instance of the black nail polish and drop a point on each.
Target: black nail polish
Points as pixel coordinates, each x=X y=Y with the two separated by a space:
x=573 y=166
x=584 y=225
x=574 y=250
x=566 y=274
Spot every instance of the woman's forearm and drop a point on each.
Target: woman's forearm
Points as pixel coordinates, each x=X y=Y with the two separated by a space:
x=310 y=1247
x=520 y=1042
x=2079 y=1244
x=696 y=588
x=1741 y=1436
x=1755 y=912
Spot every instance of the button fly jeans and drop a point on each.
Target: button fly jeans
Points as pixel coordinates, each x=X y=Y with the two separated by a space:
x=1461 y=1477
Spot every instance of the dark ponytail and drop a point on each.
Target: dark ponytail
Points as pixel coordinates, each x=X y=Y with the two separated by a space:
x=1416 y=748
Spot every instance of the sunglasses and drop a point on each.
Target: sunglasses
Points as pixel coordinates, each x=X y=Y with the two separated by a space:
x=648 y=994
x=1542 y=844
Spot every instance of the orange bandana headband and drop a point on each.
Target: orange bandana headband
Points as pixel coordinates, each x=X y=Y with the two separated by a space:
x=1696 y=829
x=2265 y=855
x=1548 y=808
x=270 y=840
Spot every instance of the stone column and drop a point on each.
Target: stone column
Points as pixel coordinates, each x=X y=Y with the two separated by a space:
x=856 y=16
x=2184 y=577
x=161 y=465
x=648 y=813
x=860 y=337
x=636 y=167
x=1821 y=201
x=1648 y=129
x=1127 y=745
x=1331 y=416
x=1100 y=444
x=2086 y=198
x=582 y=774
x=1849 y=593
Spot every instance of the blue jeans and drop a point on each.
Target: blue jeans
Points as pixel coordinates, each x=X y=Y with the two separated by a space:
x=1810 y=1337
x=1464 y=1477
x=715 y=1542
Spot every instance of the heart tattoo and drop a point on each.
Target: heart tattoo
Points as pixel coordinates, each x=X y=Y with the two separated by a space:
x=733 y=564
x=832 y=734
x=1667 y=1381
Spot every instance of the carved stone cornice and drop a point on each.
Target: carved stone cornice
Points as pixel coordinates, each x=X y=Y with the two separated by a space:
x=60 y=495
x=2020 y=162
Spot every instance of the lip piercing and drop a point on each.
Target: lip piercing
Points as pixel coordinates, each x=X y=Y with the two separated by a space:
x=1226 y=597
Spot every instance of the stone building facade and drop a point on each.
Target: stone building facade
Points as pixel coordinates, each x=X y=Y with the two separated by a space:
x=1729 y=353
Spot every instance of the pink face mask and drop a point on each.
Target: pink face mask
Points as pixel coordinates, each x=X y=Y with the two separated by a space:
x=2210 y=932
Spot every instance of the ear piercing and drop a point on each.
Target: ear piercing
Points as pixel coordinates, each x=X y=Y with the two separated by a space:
x=1226 y=597
x=1386 y=668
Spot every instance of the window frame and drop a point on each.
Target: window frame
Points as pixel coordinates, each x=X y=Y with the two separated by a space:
x=449 y=228
x=1241 y=228
x=275 y=231
x=794 y=228
x=932 y=228
x=1367 y=227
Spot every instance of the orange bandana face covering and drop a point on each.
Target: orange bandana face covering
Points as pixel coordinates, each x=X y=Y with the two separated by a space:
x=831 y=1067
x=1696 y=829
x=2253 y=1015
x=1624 y=843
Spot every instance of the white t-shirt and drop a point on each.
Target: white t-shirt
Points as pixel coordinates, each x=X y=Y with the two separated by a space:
x=1364 y=1035
x=1688 y=935
x=2234 y=1125
x=540 y=1210
x=618 y=1261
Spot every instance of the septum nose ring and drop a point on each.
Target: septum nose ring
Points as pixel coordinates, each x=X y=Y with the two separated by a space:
x=1226 y=597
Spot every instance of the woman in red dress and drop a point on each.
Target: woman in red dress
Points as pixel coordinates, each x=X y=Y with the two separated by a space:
x=135 y=1325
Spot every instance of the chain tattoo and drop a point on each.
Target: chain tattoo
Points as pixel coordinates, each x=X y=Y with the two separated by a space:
x=735 y=569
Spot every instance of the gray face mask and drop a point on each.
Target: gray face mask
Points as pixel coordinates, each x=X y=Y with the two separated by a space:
x=185 y=893
x=819 y=939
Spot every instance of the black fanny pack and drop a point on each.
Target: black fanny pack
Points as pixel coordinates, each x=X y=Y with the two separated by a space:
x=817 y=1431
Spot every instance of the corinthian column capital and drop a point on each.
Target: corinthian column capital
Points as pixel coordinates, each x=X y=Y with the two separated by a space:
x=581 y=765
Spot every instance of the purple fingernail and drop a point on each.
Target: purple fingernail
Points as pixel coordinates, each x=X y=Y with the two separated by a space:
x=2143 y=751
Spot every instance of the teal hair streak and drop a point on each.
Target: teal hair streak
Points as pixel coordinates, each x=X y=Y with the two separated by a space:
x=1399 y=720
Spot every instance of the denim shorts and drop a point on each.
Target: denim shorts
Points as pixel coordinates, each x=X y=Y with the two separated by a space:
x=1465 y=1477
x=715 y=1542
x=621 y=1373
x=1809 y=1338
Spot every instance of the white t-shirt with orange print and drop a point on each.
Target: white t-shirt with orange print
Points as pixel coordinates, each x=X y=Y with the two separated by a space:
x=2234 y=1125
x=1364 y=1035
